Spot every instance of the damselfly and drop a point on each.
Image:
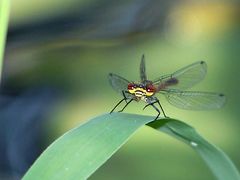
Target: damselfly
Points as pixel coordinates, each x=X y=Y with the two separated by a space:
x=172 y=86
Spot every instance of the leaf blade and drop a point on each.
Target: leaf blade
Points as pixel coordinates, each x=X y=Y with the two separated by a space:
x=218 y=162
x=106 y=133
x=90 y=149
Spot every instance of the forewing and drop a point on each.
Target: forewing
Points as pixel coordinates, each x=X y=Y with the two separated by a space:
x=184 y=78
x=118 y=83
x=194 y=100
x=143 y=75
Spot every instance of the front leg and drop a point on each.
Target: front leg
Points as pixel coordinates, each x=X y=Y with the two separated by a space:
x=124 y=95
x=126 y=105
x=124 y=99
x=151 y=101
x=156 y=110
x=161 y=108
x=117 y=105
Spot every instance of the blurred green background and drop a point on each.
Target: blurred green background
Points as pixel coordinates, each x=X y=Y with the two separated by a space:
x=72 y=45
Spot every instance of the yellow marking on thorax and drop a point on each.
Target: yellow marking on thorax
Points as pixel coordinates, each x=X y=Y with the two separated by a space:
x=140 y=92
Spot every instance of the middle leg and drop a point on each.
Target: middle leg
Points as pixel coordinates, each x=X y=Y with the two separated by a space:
x=126 y=105
x=151 y=102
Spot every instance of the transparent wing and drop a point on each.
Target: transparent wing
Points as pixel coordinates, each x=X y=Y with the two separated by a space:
x=184 y=78
x=194 y=100
x=118 y=83
x=143 y=75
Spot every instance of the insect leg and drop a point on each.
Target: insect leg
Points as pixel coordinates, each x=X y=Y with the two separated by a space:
x=161 y=108
x=150 y=101
x=126 y=105
x=124 y=95
x=117 y=104
x=156 y=110
x=147 y=105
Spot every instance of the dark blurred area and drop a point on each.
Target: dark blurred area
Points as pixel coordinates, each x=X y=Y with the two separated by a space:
x=57 y=59
x=22 y=118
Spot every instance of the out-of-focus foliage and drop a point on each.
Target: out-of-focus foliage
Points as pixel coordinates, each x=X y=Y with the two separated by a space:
x=73 y=45
x=4 y=16
x=22 y=118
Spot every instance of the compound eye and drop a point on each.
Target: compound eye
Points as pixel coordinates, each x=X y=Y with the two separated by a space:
x=131 y=86
x=150 y=88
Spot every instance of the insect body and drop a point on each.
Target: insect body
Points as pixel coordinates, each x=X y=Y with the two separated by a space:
x=172 y=86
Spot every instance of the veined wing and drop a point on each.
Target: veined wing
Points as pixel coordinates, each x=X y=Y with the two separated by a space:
x=143 y=75
x=184 y=78
x=118 y=83
x=194 y=100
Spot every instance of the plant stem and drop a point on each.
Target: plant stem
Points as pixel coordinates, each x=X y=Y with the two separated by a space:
x=4 y=16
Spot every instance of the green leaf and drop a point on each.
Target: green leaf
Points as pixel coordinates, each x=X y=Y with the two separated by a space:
x=81 y=151
x=4 y=16
x=220 y=165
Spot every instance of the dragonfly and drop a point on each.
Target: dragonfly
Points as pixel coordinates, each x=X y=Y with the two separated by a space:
x=173 y=86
